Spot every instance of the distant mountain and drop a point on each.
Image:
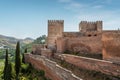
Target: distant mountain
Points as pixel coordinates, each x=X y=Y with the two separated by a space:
x=27 y=40
x=11 y=41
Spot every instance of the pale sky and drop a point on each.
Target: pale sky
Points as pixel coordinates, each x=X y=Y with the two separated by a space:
x=28 y=18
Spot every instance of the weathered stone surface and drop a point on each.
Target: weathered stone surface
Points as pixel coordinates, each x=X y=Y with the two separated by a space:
x=82 y=44
x=36 y=48
x=46 y=52
x=103 y=66
x=55 y=29
x=53 y=71
x=90 y=26
x=90 y=37
x=111 y=46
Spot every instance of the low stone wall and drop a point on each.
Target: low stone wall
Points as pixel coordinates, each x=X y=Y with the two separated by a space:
x=46 y=52
x=53 y=71
x=36 y=48
x=103 y=66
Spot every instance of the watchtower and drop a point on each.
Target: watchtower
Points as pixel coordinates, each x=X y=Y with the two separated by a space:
x=55 y=30
x=85 y=26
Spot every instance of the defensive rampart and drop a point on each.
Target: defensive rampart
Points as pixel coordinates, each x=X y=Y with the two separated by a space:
x=85 y=44
x=53 y=71
x=111 y=46
x=103 y=66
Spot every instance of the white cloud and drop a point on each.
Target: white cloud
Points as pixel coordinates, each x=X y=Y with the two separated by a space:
x=96 y=10
x=98 y=6
x=102 y=1
x=64 y=1
x=107 y=1
x=110 y=19
x=76 y=4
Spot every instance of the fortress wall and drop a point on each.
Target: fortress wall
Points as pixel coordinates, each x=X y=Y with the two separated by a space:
x=111 y=46
x=87 y=44
x=52 y=70
x=72 y=34
x=61 y=45
x=81 y=34
x=36 y=48
x=103 y=66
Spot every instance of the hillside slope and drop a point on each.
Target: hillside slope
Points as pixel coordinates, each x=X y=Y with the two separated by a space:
x=6 y=41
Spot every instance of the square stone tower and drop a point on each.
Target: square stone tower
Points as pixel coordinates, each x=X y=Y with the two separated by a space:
x=55 y=30
x=85 y=26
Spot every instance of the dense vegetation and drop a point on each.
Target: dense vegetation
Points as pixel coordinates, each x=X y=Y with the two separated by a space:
x=39 y=40
x=14 y=67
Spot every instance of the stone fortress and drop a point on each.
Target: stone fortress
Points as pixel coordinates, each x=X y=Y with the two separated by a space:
x=91 y=39
x=88 y=39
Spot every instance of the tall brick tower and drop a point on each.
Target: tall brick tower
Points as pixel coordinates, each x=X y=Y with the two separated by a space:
x=55 y=30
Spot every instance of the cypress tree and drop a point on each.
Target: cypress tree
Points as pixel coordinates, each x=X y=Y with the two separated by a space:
x=23 y=58
x=25 y=50
x=8 y=72
x=6 y=64
x=17 y=60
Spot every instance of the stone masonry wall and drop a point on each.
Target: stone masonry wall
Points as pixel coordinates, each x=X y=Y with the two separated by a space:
x=103 y=66
x=36 y=48
x=55 y=29
x=91 y=44
x=53 y=71
x=111 y=46
x=85 y=26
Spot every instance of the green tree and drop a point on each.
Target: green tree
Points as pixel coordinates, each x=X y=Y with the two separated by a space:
x=41 y=40
x=8 y=72
x=6 y=64
x=25 y=50
x=23 y=58
x=17 y=60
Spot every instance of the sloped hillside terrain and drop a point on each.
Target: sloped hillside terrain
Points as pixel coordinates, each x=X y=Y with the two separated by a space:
x=10 y=42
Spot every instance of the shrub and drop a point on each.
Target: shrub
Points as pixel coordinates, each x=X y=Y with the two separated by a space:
x=41 y=73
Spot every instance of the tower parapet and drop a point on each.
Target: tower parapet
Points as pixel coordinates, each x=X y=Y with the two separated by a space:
x=90 y=26
x=55 y=22
x=99 y=26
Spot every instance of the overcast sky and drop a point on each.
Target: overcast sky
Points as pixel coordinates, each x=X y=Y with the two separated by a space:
x=28 y=18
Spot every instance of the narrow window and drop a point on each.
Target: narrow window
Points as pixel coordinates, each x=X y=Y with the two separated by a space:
x=89 y=35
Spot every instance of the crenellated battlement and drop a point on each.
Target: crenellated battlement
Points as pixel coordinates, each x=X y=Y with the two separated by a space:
x=90 y=26
x=99 y=21
x=55 y=21
x=90 y=22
